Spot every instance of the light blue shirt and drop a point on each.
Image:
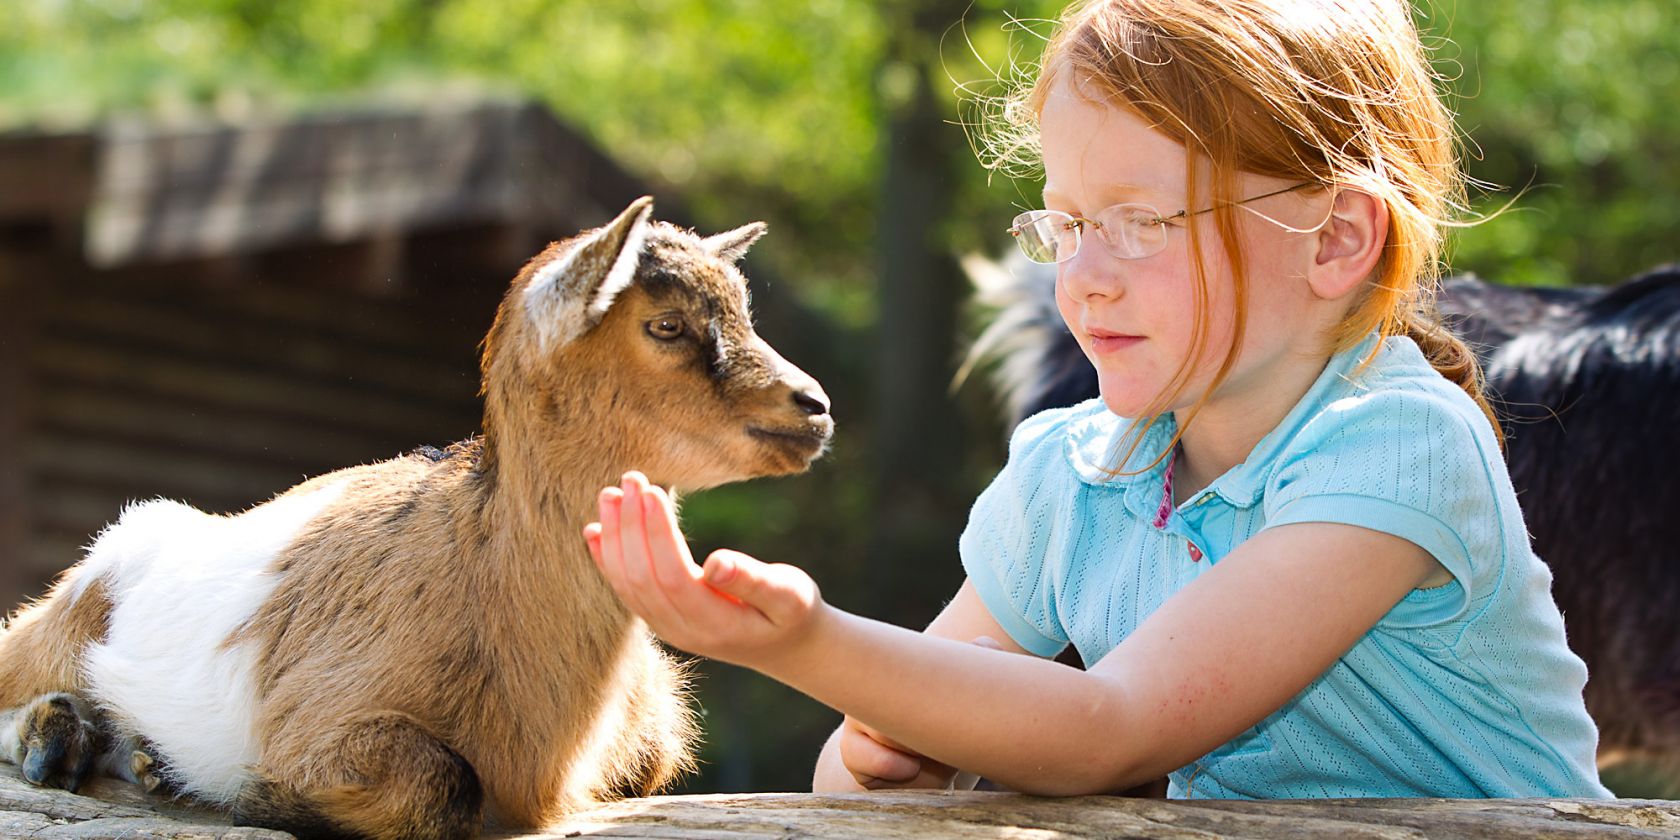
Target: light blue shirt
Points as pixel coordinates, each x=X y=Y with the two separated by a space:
x=1462 y=690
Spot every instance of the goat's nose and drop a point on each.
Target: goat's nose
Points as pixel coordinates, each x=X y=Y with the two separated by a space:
x=814 y=403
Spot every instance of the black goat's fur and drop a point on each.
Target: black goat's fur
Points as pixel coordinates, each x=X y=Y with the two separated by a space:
x=1586 y=383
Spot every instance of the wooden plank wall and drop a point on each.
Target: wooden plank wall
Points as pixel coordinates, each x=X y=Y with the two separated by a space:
x=45 y=181
x=14 y=512
x=222 y=393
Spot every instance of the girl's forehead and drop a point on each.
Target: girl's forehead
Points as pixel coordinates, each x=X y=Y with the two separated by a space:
x=1094 y=151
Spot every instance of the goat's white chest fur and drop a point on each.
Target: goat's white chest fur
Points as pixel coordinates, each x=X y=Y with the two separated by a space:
x=181 y=582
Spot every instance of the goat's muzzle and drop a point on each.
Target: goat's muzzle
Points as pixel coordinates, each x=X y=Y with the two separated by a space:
x=798 y=424
x=804 y=441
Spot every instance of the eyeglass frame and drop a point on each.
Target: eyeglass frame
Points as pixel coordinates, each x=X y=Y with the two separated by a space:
x=1077 y=223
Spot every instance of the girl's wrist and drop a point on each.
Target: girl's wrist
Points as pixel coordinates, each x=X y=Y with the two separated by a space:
x=792 y=659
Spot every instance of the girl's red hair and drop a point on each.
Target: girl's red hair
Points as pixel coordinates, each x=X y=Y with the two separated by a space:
x=1338 y=93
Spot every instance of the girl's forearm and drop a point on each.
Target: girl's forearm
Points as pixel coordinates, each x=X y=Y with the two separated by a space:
x=1027 y=723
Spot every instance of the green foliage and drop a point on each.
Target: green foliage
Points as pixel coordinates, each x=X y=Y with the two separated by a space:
x=776 y=107
x=1572 y=107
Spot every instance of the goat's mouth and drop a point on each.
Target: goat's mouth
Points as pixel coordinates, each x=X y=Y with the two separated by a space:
x=807 y=439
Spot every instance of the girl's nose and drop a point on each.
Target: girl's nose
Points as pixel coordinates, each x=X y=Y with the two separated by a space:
x=1090 y=274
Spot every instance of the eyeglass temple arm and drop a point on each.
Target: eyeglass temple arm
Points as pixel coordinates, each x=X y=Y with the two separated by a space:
x=1185 y=213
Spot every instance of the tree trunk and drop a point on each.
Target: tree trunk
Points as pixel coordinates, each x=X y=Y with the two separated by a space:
x=919 y=437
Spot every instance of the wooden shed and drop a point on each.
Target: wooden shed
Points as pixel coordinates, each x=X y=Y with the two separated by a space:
x=212 y=312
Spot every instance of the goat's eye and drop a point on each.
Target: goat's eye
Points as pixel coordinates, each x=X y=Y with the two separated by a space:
x=667 y=328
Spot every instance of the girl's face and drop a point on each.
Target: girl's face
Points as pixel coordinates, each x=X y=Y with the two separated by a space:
x=1135 y=318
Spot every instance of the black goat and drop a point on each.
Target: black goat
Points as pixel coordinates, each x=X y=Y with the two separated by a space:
x=1587 y=386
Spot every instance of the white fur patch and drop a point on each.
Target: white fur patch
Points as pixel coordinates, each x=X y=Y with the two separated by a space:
x=11 y=741
x=558 y=312
x=181 y=581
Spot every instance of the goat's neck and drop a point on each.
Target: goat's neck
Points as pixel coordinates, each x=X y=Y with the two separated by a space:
x=544 y=474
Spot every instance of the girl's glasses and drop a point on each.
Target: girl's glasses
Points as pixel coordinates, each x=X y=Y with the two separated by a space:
x=1131 y=231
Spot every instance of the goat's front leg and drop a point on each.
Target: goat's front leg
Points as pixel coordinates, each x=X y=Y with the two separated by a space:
x=135 y=759
x=380 y=776
x=54 y=739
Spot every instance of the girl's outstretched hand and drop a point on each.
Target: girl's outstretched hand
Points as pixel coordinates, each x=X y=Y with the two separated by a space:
x=734 y=608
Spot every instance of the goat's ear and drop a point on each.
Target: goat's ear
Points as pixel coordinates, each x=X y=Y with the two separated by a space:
x=732 y=245
x=569 y=294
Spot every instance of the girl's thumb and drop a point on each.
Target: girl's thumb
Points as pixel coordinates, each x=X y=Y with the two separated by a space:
x=731 y=572
x=782 y=593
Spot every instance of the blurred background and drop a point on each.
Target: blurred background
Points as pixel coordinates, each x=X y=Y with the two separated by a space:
x=243 y=242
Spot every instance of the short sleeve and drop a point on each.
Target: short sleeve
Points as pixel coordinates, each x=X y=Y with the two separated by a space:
x=1414 y=464
x=1002 y=547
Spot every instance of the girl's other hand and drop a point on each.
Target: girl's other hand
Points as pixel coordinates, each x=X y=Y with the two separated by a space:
x=877 y=762
x=735 y=608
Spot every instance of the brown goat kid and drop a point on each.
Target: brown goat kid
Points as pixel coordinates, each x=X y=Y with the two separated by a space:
x=410 y=648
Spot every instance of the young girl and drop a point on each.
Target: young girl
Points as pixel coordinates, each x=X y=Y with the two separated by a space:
x=1283 y=540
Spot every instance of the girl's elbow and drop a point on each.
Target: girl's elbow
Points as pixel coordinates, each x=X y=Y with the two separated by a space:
x=1092 y=776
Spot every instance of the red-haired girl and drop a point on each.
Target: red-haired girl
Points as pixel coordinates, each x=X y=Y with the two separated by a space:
x=1283 y=541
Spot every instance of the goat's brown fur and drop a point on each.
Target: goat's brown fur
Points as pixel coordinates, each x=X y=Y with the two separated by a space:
x=439 y=643
x=44 y=641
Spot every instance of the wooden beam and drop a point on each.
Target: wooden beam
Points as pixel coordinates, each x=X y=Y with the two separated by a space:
x=934 y=815
x=112 y=809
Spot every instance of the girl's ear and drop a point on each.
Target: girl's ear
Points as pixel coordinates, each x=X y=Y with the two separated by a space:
x=1349 y=244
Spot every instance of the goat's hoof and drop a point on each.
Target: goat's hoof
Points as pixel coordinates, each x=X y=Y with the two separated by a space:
x=59 y=745
x=146 y=770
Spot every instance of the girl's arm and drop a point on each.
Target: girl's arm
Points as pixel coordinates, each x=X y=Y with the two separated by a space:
x=1230 y=648
x=858 y=758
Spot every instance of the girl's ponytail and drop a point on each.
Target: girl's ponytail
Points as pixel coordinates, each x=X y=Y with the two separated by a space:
x=1452 y=358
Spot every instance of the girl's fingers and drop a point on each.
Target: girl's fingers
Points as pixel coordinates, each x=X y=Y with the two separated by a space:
x=592 y=539
x=673 y=566
x=639 y=558
x=870 y=761
x=611 y=558
x=612 y=554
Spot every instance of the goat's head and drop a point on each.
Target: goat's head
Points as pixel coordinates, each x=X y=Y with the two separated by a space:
x=642 y=331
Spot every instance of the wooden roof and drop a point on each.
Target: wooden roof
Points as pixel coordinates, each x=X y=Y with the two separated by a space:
x=157 y=192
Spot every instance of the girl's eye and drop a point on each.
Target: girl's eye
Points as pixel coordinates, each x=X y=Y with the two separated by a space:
x=1140 y=218
x=666 y=328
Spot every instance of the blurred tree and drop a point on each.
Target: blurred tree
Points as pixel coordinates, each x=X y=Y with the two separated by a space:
x=1577 y=106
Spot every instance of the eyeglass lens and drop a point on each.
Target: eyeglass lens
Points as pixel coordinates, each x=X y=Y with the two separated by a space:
x=1131 y=231
x=1046 y=236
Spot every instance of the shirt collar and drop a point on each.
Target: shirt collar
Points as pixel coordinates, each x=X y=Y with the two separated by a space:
x=1097 y=440
x=1242 y=484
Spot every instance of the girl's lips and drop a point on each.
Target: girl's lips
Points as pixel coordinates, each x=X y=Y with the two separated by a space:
x=1107 y=342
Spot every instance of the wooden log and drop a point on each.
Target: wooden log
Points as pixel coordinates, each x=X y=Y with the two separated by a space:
x=932 y=815
x=121 y=811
